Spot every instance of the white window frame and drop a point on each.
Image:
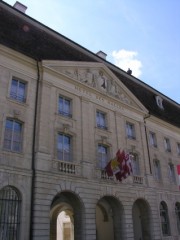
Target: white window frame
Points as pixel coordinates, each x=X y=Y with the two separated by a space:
x=13 y=136
x=157 y=169
x=167 y=144
x=62 y=107
x=16 y=95
x=64 y=152
x=101 y=120
x=153 y=139
x=135 y=164
x=171 y=173
x=130 y=130
x=103 y=155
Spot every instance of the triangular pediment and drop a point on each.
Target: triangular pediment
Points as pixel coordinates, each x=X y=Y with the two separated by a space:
x=98 y=77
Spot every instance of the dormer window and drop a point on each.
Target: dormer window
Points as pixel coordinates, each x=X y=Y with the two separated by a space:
x=159 y=102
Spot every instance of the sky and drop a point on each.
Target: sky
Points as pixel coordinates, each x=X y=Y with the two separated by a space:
x=142 y=35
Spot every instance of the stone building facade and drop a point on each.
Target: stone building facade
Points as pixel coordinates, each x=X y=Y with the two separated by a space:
x=64 y=113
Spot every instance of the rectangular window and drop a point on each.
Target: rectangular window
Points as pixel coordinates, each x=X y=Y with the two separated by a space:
x=157 y=170
x=135 y=164
x=130 y=130
x=18 y=90
x=65 y=106
x=152 y=139
x=101 y=120
x=167 y=144
x=64 y=147
x=13 y=135
x=102 y=156
x=171 y=173
x=178 y=148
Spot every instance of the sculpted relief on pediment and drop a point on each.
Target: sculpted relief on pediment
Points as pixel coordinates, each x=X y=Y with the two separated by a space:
x=96 y=78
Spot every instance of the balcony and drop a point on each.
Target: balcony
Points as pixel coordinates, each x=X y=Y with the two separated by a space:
x=66 y=167
x=138 y=179
x=130 y=179
x=105 y=176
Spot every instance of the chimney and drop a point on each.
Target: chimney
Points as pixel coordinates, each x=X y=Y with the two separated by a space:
x=129 y=71
x=102 y=54
x=19 y=6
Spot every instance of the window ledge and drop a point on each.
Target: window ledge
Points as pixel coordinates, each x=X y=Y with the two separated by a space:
x=25 y=104
x=13 y=152
x=102 y=130
x=168 y=151
x=65 y=117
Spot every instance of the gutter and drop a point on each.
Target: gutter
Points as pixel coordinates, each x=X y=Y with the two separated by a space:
x=147 y=116
x=34 y=154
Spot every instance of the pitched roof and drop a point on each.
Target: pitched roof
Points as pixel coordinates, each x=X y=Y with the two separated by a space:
x=33 y=39
x=147 y=96
x=24 y=34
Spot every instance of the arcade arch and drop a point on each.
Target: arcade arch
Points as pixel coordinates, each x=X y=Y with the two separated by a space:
x=67 y=217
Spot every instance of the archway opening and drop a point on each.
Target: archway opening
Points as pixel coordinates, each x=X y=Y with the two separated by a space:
x=109 y=219
x=66 y=217
x=65 y=225
x=141 y=220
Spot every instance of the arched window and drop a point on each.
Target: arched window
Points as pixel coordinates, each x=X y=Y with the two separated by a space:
x=164 y=219
x=177 y=210
x=10 y=204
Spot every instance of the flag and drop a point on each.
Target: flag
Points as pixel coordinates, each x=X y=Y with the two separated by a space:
x=120 y=166
x=125 y=165
x=112 y=167
x=178 y=171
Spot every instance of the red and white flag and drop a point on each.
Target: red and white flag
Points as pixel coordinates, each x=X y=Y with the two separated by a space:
x=120 y=166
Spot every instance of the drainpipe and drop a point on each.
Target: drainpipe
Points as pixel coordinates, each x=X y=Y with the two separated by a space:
x=147 y=116
x=33 y=154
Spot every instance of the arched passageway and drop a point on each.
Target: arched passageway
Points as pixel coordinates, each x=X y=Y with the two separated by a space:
x=66 y=217
x=109 y=219
x=141 y=220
